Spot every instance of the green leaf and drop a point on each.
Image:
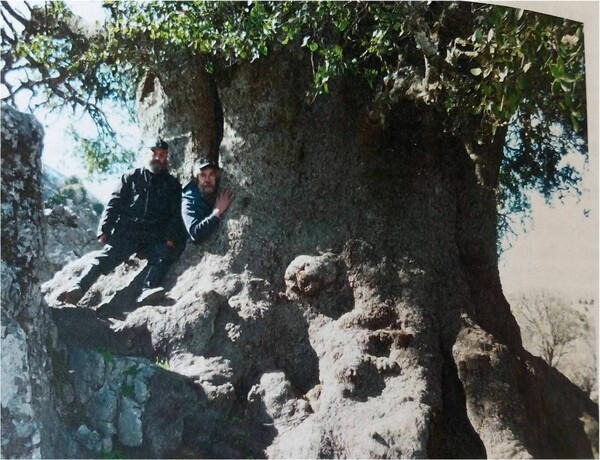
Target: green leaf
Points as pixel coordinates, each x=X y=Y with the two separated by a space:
x=313 y=47
x=519 y=13
x=575 y=123
x=556 y=71
x=565 y=86
x=555 y=87
x=476 y=71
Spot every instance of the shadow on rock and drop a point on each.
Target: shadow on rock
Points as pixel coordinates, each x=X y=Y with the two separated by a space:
x=80 y=327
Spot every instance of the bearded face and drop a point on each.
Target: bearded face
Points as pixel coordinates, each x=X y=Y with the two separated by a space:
x=207 y=183
x=159 y=160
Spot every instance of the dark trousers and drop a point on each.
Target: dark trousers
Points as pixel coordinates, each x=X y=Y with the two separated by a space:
x=121 y=246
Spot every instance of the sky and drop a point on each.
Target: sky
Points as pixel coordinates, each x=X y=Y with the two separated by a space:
x=559 y=250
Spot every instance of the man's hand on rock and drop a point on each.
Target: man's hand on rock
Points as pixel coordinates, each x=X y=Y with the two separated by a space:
x=103 y=239
x=222 y=203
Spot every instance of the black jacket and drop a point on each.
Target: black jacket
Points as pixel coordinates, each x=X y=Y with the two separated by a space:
x=145 y=202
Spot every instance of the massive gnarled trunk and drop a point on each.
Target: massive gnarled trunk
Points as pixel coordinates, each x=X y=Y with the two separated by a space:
x=412 y=348
x=349 y=305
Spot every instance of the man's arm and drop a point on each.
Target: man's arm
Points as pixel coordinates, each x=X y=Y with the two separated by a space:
x=199 y=219
x=113 y=208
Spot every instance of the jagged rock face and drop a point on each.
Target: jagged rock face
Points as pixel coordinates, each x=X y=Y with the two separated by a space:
x=29 y=417
x=349 y=304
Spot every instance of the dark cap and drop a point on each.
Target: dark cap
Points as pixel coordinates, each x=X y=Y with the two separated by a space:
x=159 y=144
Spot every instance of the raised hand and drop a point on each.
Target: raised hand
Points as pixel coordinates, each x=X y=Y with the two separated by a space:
x=222 y=202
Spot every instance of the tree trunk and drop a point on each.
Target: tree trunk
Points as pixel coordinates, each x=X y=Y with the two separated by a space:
x=414 y=350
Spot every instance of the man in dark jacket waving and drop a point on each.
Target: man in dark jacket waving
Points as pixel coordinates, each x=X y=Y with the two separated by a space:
x=142 y=215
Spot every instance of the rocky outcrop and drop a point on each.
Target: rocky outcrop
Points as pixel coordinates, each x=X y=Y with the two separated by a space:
x=29 y=404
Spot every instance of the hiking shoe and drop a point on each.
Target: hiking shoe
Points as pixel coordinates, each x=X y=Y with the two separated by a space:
x=72 y=296
x=150 y=296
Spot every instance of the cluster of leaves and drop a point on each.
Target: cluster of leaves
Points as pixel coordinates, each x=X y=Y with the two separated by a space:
x=536 y=159
x=342 y=38
x=513 y=57
x=485 y=67
x=523 y=61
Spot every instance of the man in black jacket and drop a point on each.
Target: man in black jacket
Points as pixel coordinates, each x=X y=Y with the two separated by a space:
x=142 y=216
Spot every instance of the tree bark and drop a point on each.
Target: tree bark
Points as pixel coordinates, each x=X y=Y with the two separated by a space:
x=413 y=317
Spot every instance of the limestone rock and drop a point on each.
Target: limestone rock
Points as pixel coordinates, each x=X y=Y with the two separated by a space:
x=30 y=427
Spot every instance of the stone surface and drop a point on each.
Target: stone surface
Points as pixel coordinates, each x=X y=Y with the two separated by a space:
x=30 y=427
x=130 y=423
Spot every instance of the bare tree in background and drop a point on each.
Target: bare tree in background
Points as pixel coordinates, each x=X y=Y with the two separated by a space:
x=549 y=325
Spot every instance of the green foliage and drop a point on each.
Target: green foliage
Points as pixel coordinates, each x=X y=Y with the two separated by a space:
x=505 y=58
x=523 y=61
x=103 y=153
x=133 y=370
x=540 y=163
x=106 y=354
x=114 y=453
x=128 y=390
x=61 y=65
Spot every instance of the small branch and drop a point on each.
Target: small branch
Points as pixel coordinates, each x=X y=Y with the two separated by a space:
x=6 y=6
